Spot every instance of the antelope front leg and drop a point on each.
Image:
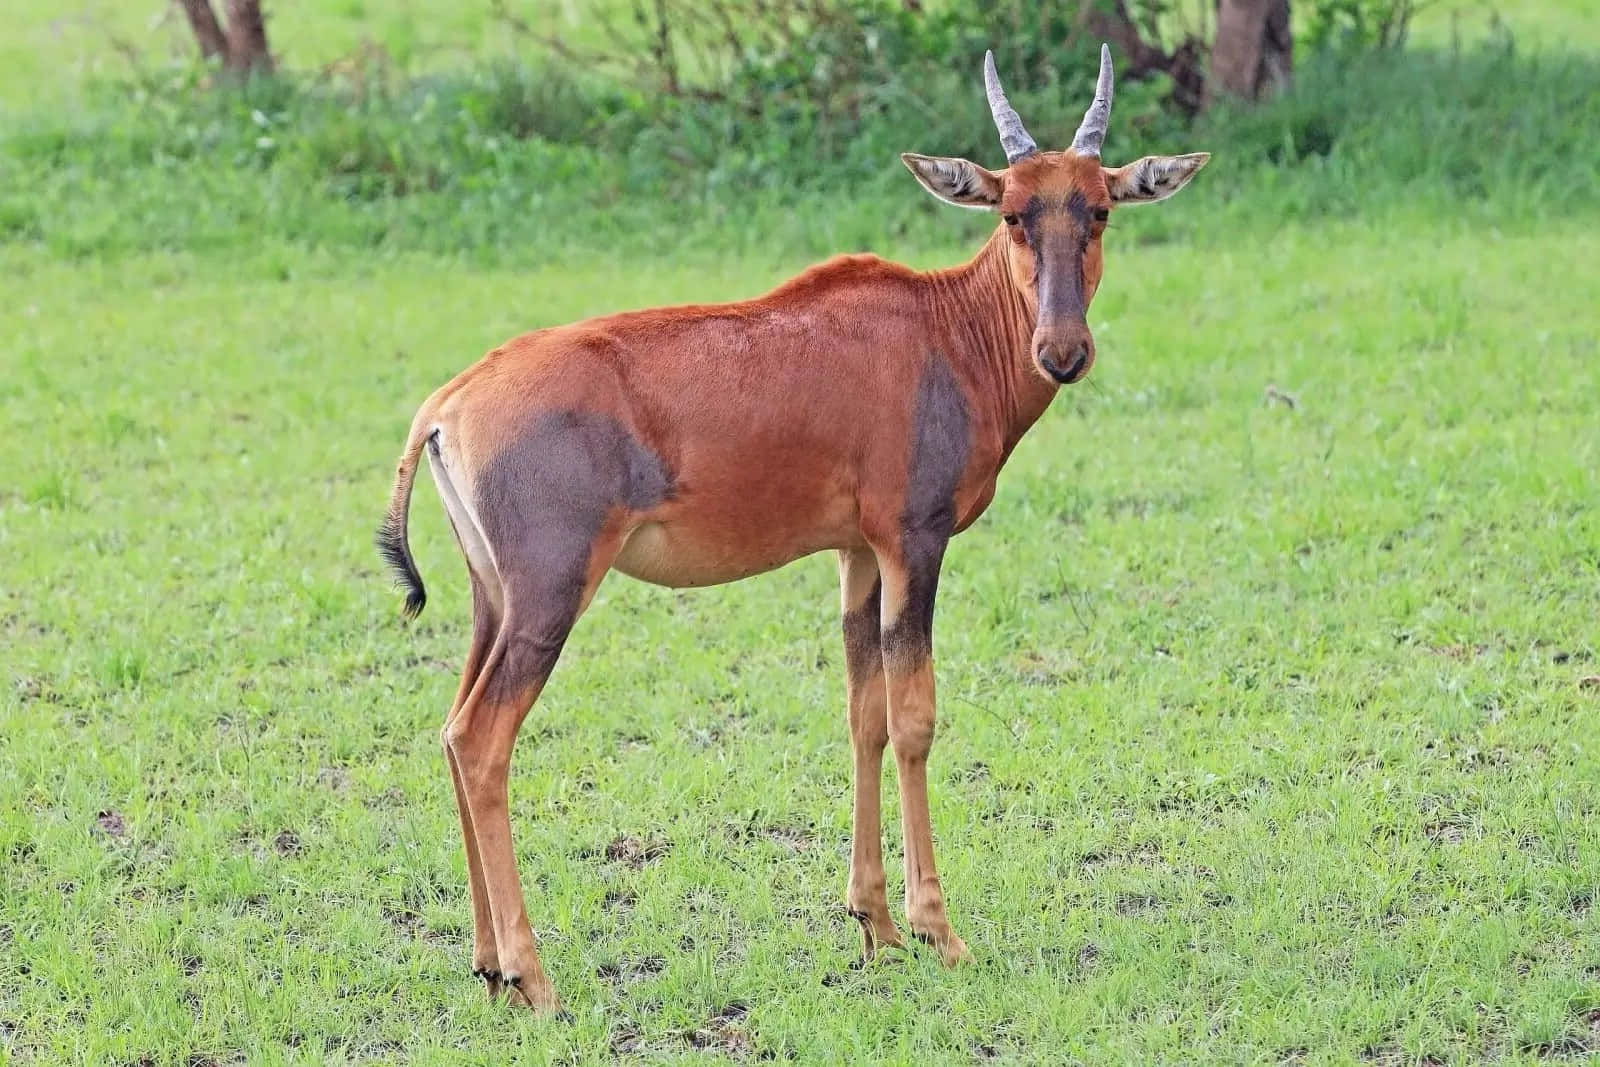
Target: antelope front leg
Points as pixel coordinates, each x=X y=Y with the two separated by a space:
x=909 y=585
x=865 y=896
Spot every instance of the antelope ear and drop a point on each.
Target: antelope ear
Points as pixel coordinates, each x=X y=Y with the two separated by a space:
x=956 y=181
x=1144 y=181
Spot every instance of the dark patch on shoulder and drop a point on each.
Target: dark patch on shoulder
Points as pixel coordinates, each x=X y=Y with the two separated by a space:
x=939 y=447
x=863 y=653
x=940 y=444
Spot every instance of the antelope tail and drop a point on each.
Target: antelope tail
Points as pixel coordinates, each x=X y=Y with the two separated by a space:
x=391 y=537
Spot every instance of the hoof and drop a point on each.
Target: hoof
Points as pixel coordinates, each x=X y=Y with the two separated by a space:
x=953 y=952
x=493 y=982
x=539 y=997
x=878 y=932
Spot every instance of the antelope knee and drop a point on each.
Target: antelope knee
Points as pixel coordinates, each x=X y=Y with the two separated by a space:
x=911 y=731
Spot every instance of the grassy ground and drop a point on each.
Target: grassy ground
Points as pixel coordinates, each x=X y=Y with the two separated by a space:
x=1267 y=729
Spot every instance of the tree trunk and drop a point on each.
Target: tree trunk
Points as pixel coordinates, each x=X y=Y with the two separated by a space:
x=1252 y=56
x=207 y=32
x=1111 y=21
x=243 y=46
x=247 y=38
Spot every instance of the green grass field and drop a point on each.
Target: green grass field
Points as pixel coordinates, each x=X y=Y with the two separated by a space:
x=1268 y=730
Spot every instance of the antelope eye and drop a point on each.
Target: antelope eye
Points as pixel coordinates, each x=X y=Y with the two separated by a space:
x=1102 y=214
x=1010 y=220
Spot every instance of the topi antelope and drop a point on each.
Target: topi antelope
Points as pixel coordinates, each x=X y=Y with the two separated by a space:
x=862 y=407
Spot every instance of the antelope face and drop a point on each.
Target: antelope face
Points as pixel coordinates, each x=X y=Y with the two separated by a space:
x=1054 y=207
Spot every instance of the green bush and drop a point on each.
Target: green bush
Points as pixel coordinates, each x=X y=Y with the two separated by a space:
x=510 y=160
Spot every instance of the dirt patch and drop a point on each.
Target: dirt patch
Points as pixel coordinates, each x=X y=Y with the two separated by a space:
x=1458 y=652
x=1189 y=798
x=30 y=690
x=1449 y=830
x=405 y=921
x=379 y=1049
x=636 y=852
x=723 y=1032
x=630 y=742
x=619 y=900
x=1590 y=683
x=1472 y=759
x=393 y=797
x=1394 y=1056
x=110 y=825
x=626 y=1040
x=334 y=779
x=1145 y=854
x=1137 y=904
x=631 y=970
x=976 y=772
x=1030 y=668
x=1581 y=1040
x=287 y=844
x=793 y=838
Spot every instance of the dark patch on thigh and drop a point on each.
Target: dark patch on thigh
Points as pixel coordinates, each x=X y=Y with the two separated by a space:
x=940 y=444
x=863 y=652
x=544 y=498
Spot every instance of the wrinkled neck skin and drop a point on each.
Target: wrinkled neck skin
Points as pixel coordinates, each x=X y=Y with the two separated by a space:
x=985 y=324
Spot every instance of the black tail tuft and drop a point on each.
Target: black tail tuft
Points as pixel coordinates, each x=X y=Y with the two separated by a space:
x=391 y=542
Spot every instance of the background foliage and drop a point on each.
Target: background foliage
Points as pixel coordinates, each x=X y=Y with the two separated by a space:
x=516 y=157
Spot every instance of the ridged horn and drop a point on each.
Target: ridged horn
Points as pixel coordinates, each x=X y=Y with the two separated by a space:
x=1013 y=138
x=1092 y=134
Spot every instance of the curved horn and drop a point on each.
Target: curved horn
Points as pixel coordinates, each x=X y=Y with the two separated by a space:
x=1092 y=133
x=1013 y=138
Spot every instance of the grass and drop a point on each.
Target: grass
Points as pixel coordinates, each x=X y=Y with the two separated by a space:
x=1264 y=727
x=1267 y=683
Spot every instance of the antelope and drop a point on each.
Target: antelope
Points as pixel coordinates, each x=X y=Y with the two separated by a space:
x=862 y=407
